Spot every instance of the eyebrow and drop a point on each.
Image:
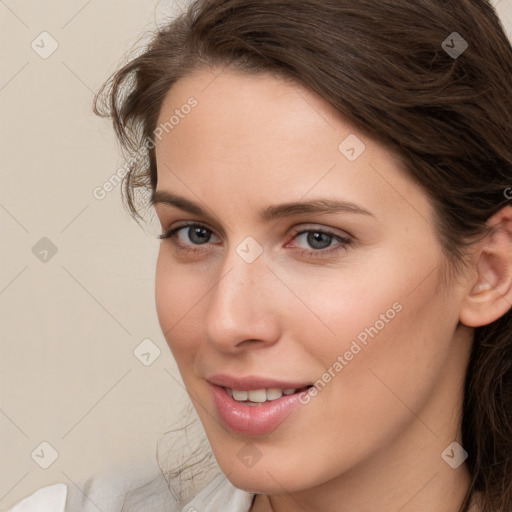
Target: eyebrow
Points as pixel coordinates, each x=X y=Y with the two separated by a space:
x=270 y=213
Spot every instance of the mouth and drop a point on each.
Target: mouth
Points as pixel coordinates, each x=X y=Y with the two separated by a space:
x=255 y=383
x=257 y=411
x=255 y=397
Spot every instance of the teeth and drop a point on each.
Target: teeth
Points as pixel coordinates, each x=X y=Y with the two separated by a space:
x=240 y=395
x=259 y=395
x=274 y=393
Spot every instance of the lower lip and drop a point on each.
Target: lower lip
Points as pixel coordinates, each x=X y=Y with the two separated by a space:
x=253 y=420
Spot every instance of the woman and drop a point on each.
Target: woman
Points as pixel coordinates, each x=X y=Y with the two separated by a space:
x=333 y=183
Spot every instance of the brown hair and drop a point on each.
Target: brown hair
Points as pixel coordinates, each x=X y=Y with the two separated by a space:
x=386 y=66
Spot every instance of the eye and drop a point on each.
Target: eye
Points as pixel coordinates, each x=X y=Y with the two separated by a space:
x=317 y=239
x=196 y=234
x=186 y=236
x=320 y=240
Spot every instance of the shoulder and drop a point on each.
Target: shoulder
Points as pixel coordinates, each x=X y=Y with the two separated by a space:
x=220 y=494
x=153 y=495
x=51 y=497
x=109 y=492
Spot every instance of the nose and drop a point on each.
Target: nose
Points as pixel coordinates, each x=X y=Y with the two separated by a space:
x=242 y=307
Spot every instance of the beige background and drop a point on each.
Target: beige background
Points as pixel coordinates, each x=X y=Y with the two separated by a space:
x=69 y=325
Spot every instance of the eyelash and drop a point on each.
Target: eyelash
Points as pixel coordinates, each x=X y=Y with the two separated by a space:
x=318 y=253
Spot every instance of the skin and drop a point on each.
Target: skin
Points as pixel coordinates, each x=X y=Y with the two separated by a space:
x=382 y=423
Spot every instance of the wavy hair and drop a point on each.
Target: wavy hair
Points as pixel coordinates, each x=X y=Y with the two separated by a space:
x=386 y=66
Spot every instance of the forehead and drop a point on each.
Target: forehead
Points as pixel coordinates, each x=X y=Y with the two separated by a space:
x=258 y=136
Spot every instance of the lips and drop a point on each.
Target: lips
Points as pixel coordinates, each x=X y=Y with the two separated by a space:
x=254 y=382
x=248 y=417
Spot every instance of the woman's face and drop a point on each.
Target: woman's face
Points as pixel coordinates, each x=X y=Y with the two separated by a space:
x=348 y=299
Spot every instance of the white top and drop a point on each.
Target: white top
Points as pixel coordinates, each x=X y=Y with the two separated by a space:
x=218 y=495
x=51 y=498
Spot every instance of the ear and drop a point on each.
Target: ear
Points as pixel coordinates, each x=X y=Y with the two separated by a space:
x=489 y=296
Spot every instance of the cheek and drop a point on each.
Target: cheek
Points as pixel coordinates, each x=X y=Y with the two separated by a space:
x=390 y=347
x=387 y=293
x=394 y=325
x=333 y=307
x=176 y=295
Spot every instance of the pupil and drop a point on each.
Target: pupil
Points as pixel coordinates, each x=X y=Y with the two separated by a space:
x=201 y=233
x=315 y=240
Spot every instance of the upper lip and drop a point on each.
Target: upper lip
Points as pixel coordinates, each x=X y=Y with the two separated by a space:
x=251 y=382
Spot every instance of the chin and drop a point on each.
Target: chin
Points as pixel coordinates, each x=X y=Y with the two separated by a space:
x=262 y=483
x=266 y=479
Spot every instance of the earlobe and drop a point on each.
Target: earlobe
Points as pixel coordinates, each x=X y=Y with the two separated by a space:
x=490 y=296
